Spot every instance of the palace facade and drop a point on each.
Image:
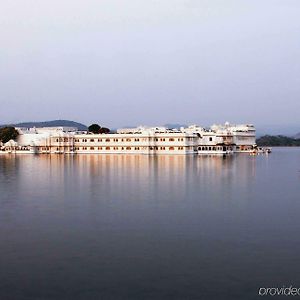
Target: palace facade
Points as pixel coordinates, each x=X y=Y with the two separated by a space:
x=218 y=139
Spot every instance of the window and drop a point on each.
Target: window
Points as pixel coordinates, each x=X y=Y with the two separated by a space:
x=171 y=148
x=128 y=140
x=171 y=140
x=99 y=148
x=92 y=140
x=107 y=148
x=91 y=148
x=107 y=140
x=210 y=139
x=128 y=148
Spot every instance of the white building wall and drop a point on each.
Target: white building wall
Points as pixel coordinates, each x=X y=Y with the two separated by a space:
x=145 y=143
x=157 y=140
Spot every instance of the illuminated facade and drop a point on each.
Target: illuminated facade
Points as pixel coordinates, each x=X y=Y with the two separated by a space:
x=219 y=139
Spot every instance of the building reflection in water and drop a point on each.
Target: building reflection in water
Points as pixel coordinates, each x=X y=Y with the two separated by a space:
x=113 y=223
x=134 y=177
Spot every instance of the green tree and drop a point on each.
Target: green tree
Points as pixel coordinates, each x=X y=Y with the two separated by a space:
x=104 y=130
x=277 y=140
x=7 y=134
x=94 y=128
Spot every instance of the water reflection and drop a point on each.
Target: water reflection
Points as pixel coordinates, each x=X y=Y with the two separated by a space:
x=116 y=175
x=147 y=227
x=111 y=177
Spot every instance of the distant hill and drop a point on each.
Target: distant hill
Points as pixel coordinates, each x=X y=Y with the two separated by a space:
x=175 y=125
x=168 y=125
x=297 y=136
x=277 y=140
x=54 y=123
x=284 y=130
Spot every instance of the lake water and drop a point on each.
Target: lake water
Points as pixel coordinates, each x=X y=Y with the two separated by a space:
x=139 y=227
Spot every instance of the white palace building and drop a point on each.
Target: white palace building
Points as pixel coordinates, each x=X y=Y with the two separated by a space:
x=218 y=139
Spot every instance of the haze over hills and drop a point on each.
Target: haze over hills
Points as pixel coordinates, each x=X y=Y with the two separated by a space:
x=53 y=123
x=297 y=136
x=277 y=141
x=168 y=125
x=176 y=125
x=287 y=130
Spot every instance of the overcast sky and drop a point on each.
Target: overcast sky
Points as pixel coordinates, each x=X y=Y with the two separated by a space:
x=150 y=62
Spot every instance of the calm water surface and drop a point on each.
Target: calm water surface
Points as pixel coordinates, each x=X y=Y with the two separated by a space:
x=139 y=227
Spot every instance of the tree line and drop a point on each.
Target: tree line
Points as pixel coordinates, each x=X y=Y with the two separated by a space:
x=277 y=140
x=8 y=133
x=96 y=128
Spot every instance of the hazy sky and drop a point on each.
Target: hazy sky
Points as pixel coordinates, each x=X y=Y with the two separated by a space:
x=150 y=62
